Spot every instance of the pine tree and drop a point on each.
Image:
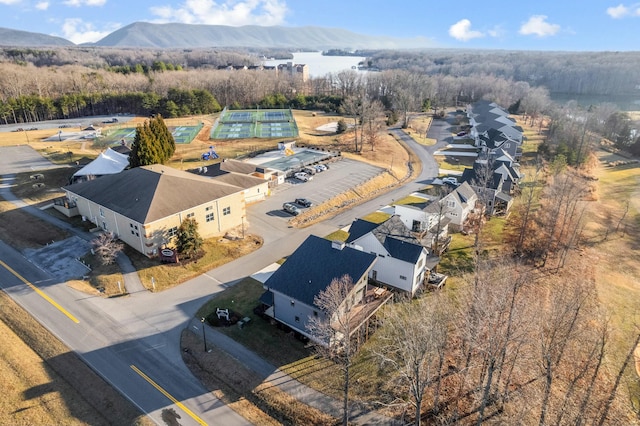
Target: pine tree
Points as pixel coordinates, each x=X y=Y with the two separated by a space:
x=153 y=144
x=188 y=240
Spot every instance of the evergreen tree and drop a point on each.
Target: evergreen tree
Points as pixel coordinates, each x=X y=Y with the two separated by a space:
x=188 y=240
x=144 y=150
x=153 y=144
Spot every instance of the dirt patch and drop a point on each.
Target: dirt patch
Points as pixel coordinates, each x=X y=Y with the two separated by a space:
x=45 y=383
x=23 y=231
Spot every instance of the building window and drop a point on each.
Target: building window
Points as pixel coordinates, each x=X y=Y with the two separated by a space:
x=172 y=232
x=208 y=208
x=190 y=215
x=101 y=212
x=451 y=203
x=226 y=211
x=209 y=217
x=131 y=225
x=297 y=319
x=133 y=232
x=402 y=277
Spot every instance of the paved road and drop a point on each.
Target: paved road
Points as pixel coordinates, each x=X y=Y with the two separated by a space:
x=133 y=341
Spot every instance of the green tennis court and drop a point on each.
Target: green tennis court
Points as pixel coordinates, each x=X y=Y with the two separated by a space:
x=255 y=123
x=181 y=134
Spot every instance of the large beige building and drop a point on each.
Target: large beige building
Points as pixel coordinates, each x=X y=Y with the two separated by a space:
x=144 y=206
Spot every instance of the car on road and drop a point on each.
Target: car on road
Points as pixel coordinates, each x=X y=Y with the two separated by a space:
x=291 y=208
x=450 y=180
x=304 y=202
x=303 y=176
x=461 y=134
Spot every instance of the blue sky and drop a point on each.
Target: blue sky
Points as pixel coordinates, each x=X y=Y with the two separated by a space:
x=580 y=25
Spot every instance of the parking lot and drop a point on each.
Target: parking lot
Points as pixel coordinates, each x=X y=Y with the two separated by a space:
x=342 y=175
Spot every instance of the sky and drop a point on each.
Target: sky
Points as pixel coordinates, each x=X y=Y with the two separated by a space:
x=566 y=25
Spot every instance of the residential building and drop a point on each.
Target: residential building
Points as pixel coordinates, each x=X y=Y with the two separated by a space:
x=292 y=289
x=144 y=206
x=402 y=259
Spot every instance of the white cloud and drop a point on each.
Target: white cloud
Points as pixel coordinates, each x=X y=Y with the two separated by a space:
x=42 y=5
x=620 y=11
x=538 y=25
x=224 y=12
x=461 y=30
x=78 y=31
x=78 y=3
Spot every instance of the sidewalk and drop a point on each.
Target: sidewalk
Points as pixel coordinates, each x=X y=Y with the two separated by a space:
x=269 y=373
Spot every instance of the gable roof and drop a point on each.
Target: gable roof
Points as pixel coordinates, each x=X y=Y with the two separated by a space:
x=394 y=236
x=107 y=163
x=149 y=193
x=315 y=263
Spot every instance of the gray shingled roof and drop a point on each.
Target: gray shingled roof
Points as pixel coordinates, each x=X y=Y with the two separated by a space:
x=149 y=193
x=394 y=236
x=315 y=263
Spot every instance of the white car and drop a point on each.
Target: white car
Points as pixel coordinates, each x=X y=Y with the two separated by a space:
x=321 y=167
x=303 y=177
x=450 y=180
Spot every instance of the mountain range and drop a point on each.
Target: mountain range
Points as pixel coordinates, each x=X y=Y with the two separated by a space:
x=148 y=35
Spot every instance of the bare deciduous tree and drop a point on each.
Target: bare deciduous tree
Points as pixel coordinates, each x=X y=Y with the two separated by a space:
x=413 y=344
x=333 y=328
x=107 y=247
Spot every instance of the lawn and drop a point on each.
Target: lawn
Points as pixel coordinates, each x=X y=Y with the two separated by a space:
x=217 y=251
x=260 y=336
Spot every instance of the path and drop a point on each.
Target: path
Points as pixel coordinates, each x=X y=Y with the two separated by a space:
x=271 y=374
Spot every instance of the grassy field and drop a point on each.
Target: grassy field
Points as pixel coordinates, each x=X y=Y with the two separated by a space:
x=613 y=244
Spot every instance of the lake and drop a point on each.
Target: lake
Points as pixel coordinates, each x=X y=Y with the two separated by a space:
x=319 y=65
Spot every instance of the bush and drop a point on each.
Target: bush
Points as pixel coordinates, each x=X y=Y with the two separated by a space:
x=342 y=126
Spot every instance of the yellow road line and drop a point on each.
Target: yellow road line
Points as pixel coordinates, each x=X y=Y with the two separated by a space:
x=40 y=292
x=165 y=393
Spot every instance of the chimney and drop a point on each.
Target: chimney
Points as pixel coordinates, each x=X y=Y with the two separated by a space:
x=338 y=245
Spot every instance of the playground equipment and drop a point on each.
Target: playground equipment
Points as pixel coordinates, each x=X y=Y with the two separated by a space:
x=222 y=313
x=210 y=155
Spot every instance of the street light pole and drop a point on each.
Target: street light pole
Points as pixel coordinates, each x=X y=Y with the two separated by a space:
x=204 y=337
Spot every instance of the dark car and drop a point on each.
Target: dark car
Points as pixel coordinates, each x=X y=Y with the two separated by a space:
x=304 y=202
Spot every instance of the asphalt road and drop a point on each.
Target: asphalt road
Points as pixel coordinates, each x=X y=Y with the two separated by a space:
x=133 y=341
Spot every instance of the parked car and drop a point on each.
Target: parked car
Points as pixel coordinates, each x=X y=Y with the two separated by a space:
x=450 y=180
x=461 y=133
x=303 y=176
x=304 y=202
x=309 y=170
x=291 y=208
x=321 y=167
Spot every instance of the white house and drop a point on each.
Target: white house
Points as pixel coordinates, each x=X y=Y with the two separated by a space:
x=402 y=259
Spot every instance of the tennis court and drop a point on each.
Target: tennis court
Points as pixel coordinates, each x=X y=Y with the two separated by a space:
x=181 y=134
x=258 y=123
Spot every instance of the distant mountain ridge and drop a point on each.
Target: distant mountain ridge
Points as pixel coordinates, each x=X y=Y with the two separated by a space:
x=173 y=35
x=9 y=37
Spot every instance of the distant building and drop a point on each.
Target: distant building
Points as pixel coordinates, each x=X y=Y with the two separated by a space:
x=295 y=70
